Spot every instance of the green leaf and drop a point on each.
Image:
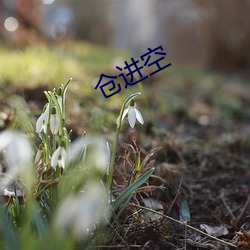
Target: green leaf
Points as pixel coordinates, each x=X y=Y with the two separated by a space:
x=122 y=209
x=185 y=212
x=10 y=236
x=129 y=190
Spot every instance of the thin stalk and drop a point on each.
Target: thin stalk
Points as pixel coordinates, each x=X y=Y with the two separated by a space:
x=47 y=140
x=65 y=87
x=112 y=163
x=54 y=142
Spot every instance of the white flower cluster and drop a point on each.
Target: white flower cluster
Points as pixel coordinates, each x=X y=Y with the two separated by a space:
x=50 y=116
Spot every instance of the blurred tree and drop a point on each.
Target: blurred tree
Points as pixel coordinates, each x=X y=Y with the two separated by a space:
x=92 y=20
x=229 y=34
x=215 y=34
x=26 y=15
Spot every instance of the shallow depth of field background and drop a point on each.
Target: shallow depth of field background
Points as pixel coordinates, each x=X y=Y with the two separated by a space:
x=197 y=110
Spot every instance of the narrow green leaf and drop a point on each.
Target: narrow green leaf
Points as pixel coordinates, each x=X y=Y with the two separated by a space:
x=185 y=212
x=128 y=191
x=122 y=209
x=39 y=222
x=10 y=236
x=138 y=163
x=65 y=87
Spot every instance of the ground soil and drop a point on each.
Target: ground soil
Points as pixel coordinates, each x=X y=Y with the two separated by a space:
x=202 y=163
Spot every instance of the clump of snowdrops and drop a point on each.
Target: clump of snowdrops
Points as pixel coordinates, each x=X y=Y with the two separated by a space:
x=61 y=190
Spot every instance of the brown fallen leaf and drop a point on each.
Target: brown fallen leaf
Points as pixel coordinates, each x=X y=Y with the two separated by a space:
x=215 y=231
x=245 y=236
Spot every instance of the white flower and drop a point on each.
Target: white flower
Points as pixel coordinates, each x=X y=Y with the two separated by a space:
x=59 y=157
x=79 y=214
x=42 y=122
x=98 y=152
x=133 y=114
x=17 y=152
x=54 y=121
x=39 y=154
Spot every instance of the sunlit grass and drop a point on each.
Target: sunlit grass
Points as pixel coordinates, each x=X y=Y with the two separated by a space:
x=36 y=65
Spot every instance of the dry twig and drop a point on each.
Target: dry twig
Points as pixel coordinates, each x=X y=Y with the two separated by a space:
x=184 y=224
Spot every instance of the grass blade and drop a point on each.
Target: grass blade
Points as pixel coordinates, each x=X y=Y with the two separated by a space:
x=128 y=191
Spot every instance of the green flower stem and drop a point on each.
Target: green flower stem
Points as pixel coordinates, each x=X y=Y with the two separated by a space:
x=47 y=137
x=65 y=87
x=54 y=142
x=112 y=164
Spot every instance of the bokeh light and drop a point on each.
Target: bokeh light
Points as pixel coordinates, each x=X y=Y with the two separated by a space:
x=47 y=2
x=11 y=24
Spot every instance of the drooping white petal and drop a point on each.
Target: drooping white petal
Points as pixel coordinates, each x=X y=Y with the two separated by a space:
x=54 y=124
x=39 y=123
x=59 y=158
x=123 y=116
x=63 y=159
x=125 y=112
x=44 y=127
x=61 y=163
x=132 y=117
x=55 y=156
x=139 y=116
x=46 y=112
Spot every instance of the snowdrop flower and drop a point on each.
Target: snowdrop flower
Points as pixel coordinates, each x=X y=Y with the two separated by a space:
x=42 y=122
x=79 y=214
x=39 y=154
x=54 y=121
x=98 y=152
x=59 y=157
x=133 y=114
x=17 y=152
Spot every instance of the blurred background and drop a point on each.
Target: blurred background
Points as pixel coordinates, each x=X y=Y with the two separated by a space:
x=45 y=42
x=212 y=34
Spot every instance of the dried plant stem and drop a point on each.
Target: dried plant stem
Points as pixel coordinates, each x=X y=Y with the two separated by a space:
x=177 y=193
x=184 y=224
x=239 y=217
